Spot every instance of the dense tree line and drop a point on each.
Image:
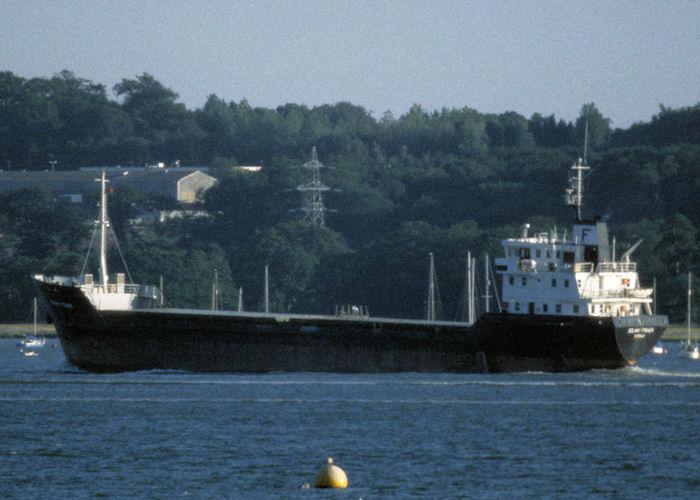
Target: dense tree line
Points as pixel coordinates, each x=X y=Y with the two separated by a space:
x=443 y=181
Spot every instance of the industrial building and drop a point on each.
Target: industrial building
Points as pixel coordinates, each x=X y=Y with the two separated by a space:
x=184 y=185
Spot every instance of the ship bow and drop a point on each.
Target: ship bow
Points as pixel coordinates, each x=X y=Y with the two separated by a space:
x=637 y=335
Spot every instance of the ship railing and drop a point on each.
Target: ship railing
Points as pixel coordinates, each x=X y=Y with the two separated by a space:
x=146 y=291
x=544 y=238
x=584 y=267
x=352 y=311
x=101 y=296
x=111 y=288
x=606 y=267
x=617 y=293
x=617 y=267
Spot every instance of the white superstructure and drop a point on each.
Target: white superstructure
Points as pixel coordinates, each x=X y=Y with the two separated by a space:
x=571 y=274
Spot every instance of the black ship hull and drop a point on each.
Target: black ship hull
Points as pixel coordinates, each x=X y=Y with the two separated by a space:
x=212 y=341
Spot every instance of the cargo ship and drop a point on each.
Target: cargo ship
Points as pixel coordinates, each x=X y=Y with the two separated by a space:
x=566 y=304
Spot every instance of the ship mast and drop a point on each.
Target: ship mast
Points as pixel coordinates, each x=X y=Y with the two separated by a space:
x=574 y=193
x=104 y=223
x=487 y=297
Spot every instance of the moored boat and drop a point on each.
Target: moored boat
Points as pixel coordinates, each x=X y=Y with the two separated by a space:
x=566 y=305
x=689 y=350
x=659 y=349
x=32 y=342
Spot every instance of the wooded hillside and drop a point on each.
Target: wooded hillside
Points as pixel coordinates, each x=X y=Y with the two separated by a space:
x=428 y=181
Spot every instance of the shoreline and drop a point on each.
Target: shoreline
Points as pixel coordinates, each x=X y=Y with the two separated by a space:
x=17 y=330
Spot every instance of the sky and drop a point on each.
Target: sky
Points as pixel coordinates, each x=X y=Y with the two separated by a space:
x=547 y=56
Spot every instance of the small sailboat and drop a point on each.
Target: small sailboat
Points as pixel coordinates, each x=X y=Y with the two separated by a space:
x=33 y=341
x=689 y=349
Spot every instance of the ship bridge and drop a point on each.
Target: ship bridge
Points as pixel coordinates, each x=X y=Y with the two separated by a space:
x=570 y=275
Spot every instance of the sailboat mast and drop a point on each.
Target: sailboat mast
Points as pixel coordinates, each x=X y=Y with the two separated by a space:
x=35 y=307
x=471 y=273
x=690 y=293
x=267 y=289
x=431 y=290
x=468 y=289
x=215 y=291
x=103 y=222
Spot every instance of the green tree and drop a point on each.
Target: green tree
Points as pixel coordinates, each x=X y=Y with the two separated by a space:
x=678 y=250
x=293 y=251
x=510 y=130
x=171 y=132
x=29 y=123
x=599 y=130
x=188 y=274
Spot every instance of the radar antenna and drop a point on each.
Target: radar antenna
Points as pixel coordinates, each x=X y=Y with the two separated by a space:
x=574 y=193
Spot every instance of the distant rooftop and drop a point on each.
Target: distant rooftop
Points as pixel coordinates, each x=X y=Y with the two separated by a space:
x=159 y=166
x=181 y=183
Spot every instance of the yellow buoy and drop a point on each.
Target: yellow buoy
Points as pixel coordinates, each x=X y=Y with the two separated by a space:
x=331 y=477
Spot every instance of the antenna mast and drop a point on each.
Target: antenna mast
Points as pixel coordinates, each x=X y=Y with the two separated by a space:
x=574 y=193
x=585 y=141
x=312 y=190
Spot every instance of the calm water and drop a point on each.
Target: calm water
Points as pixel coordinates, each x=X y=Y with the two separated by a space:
x=609 y=434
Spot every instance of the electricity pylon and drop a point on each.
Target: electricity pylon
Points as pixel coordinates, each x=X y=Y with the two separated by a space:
x=312 y=190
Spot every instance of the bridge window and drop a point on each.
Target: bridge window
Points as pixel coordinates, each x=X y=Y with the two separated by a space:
x=524 y=281
x=590 y=253
x=554 y=282
x=576 y=308
x=538 y=253
x=545 y=307
x=558 y=308
x=511 y=280
x=566 y=283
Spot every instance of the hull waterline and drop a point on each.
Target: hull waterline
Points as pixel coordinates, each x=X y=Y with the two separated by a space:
x=208 y=341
